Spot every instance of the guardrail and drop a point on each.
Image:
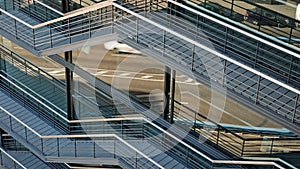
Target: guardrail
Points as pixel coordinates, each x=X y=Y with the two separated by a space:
x=154 y=38
x=267 y=144
x=7 y=161
x=166 y=140
x=262 y=18
x=64 y=30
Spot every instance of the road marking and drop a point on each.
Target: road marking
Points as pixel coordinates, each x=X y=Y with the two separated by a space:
x=189 y=80
x=146 y=76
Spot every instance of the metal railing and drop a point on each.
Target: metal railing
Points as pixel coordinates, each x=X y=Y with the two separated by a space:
x=68 y=145
x=34 y=8
x=283 y=99
x=233 y=140
x=91 y=125
x=262 y=18
x=7 y=161
x=64 y=30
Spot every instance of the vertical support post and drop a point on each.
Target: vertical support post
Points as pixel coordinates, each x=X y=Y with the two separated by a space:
x=90 y=18
x=290 y=68
x=256 y=53
x=167 y=84
x=271 y=148
x=171 y=120
x=164 y=44
x=1 y=137
x=193 y=57
x=16 y=31
x=137 y=30
x=295 y=108
x=58 y=154
x=33 y=38
x=224 y=72
x=218 y=135
x=112 y=19
x=257 y=89
x=69 y=78
x=226 y=37
x=243 y=147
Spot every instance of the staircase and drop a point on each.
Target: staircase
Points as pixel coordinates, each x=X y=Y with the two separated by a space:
x=52 y=145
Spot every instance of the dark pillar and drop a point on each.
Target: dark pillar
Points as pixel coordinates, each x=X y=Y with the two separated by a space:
x=68 y=72
x=69 y=78
x=167 y=86
x=171 y=120
x=65 y=6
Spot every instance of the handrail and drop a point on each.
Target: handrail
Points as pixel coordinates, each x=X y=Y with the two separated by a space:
x=208 y=49
x=107 y=119
x=15 y=18
x=113 y=135
x=8 y=155
x=49 y=7
x=272 y=159
x=138 y=151
x=33 y=92
x=28 y=61
x=241 y=31
x=11 y=115
x=70 y=15
x=237 y=162
x=65 y=119
x=105 y=135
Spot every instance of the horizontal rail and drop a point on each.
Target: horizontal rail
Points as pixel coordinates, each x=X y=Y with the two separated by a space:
x=20 y=121
x=239 y=30
x=8 y=155
x=49 y=7
x=115 y=136
x=208 y=49
x=15 y=18
x=248 y=163
x=74 y=13
x=37 y=100
x=107 y=119
x=270 y=158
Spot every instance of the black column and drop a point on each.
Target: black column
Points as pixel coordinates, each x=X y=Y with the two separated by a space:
x=68 y=72
x=167 y=86
x=69 y=78
x=171 y=120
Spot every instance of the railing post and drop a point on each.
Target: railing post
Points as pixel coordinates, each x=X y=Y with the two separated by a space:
x=224 y=72
x=193 y=57
x=271 y=148
x=16 y=31
x=257 y=89
x=26 y=134
x=90 y=31
x=218 y=135
x=42 y=145
x=115 y=147
x=137 y=30
x=295 y=108
x=243 y=148
x=94 y=148
x=51 y=39
x=164 y=43
x=75 y=146
x=112 y=19
x=58 y=154
x=10 y=123
x=290 y=69
x=33 y=37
